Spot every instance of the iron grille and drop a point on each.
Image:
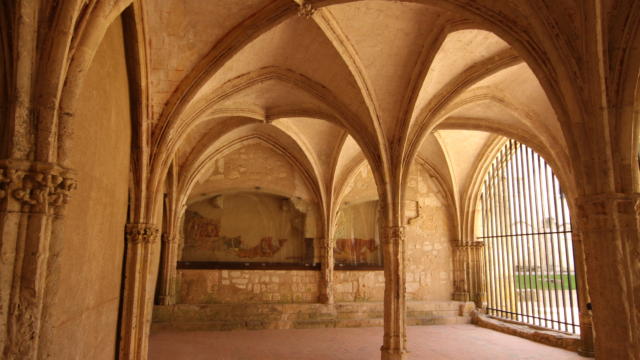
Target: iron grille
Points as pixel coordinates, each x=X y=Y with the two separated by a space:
x=526 y=230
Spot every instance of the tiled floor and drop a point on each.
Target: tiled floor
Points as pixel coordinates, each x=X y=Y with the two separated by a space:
x=425 y=342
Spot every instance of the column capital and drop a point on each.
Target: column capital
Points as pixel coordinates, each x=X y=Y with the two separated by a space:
x=168 y=238
x=394 y=233
x=305 y=9
x=325 y=243
x=141 y=233
x=36 y=187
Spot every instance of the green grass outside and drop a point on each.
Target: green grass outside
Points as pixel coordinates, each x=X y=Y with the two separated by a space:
x=546 y=282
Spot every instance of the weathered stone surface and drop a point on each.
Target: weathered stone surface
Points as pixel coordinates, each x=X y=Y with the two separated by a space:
x=247 y=286
x=126 y=92
x=553 y=338
x=298 y=316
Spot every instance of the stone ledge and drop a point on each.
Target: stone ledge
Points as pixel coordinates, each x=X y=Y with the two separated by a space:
x=547 y=337
x=300 y=316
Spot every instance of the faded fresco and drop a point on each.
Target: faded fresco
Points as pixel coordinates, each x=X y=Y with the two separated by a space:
x=357 y=240
x=246 y=227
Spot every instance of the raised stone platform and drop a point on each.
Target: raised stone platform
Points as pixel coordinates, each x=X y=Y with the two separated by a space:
x=302 y=316
x=566 y=341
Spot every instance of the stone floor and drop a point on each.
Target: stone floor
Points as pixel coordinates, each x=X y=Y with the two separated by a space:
x=425 y=342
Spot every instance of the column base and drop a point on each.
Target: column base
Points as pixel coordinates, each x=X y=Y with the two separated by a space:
x=393 y=354
x=166 y=300
x=586 y=352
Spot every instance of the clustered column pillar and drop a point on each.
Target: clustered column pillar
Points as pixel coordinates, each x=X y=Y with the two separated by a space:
x=610 y=237
x=395 y=338
x=32 y=196
x=135 y=311
x=468 y=269
x=326 y=271
x=167 y=276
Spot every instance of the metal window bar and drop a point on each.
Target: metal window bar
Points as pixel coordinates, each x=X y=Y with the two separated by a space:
x=528 y=257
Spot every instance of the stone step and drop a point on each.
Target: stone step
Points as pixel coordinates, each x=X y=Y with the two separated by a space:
x=301 y=316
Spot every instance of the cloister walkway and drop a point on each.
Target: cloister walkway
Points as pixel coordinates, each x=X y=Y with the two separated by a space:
x=435 y=342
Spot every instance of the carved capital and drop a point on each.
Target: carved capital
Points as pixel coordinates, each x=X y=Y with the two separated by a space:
x=394 y=234
x=141 y=233
x=306 y=10
x=38 y=187
x=326 y=244
x=8 y=177
x=168 y=239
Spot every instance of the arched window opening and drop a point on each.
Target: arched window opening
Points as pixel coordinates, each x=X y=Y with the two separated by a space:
x=526 y=228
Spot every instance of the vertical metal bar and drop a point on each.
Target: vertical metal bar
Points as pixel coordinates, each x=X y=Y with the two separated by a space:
x=566 y=220
x=560 y=215
x=559 y=302
x=535 y=206
x=531 y=282
x=526 y=259
x=522 y=215
x=494 y=246
x=506 y=200
x=511 y=233
x=497 y=233
x=504 y=252
x=483 y=198
x=557 y=265
x=561 y=249
x=488 y=247
x=500 y=232
x=544 y=216
x=490 y=232
x=515 y=209
x=503 y=238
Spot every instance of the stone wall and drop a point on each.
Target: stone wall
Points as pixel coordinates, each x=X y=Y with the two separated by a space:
x=428 y=232
x=206 y=317
x=86 y=255
x=255 y=165
x=358 y=285
x=429 y=260
x=247 y=286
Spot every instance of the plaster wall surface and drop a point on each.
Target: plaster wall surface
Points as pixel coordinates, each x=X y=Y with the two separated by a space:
x=245 y=227
x=81 y=309
x=255 y=164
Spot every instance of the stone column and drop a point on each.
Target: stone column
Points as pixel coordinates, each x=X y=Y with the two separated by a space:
x=460 y=272
x=395 y=338
x=136 y=314
x=478 y=292
x=468 y=270
x=586 y=319
x=32 y=196
x=609 y=230
x=168 y=272
x=326 y=272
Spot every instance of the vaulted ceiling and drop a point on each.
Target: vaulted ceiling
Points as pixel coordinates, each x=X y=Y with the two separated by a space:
x=340 y=83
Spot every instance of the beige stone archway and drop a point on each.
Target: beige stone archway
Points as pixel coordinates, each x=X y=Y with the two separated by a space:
x=583 y=57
